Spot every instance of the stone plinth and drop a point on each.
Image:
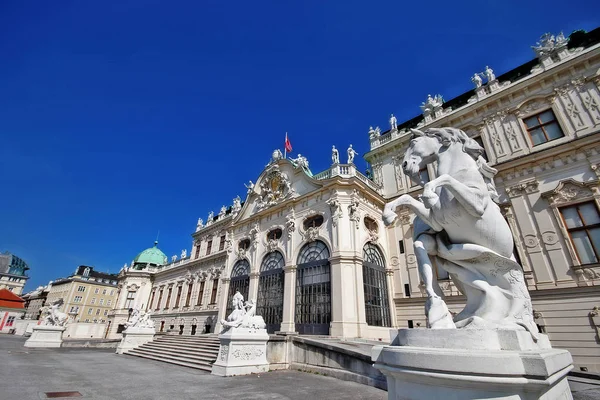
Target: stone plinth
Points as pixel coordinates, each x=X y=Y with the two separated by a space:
x=473 y=364
x=134 y=337
x=45 y=336
x=243 y=351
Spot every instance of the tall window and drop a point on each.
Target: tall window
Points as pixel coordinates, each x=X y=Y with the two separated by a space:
x=583 y=223
x=93 y=300
x=97 y=291
x=151 y=299
x=197 y=251
x=167 y=304
x=81 y=289
x=213 y=295
x=377 y=308
x=208 y=247
x=189 y=295
x=160 y=293
x=222 y=243
x=178 y=298
x=129 y=300
x=77 y=299
x=543 y=127
x=200 y=293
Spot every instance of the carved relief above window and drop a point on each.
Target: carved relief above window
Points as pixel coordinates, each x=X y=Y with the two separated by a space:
x=570 y=190
x=311 y=227
x=372 y=228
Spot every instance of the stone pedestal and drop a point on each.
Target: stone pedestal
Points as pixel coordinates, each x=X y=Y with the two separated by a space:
x=243 y=351
x=45 y=336
x=461 y=364
x=134 y=337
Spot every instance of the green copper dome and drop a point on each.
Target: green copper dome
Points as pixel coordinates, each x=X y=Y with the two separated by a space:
x=150 y=257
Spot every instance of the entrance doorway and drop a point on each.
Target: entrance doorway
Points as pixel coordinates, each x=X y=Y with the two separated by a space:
x=313 y=290
x=269 y=302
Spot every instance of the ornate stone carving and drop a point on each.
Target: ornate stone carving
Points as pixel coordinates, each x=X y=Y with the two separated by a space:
x=272 y=245
x=311 y=234
x=570 y=190
x=394 y=261
x=519 y=189
x=336 y=210
x=531 y=241
x=275 y=188
x=290 y=223
x=549 y=238
x=592 y=106
x=353 y=212
x=247 y=352
x=549 y=44
x=223 y=352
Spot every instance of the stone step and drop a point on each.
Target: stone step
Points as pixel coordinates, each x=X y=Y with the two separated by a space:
x=187 y=357
x=194 y=365
x=187 y=340
x=178 y=350
x=190 y=346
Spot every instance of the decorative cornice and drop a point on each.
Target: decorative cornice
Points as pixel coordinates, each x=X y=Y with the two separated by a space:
x=528 y=187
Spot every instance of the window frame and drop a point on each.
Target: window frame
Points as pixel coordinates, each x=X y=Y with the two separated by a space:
x=541 y=126
x=584 y=228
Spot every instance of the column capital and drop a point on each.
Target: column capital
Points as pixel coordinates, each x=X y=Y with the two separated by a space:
x=290 y=268
x=254 y=274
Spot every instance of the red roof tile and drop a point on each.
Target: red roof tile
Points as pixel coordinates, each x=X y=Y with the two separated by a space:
x=10 y=300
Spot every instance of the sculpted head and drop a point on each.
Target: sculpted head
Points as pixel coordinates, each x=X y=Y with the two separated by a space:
x=425 y=146
x=237 y=301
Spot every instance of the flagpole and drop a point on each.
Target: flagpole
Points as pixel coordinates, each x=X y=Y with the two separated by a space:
x=285 y=147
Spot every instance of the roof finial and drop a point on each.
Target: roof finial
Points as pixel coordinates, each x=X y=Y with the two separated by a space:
x=156 y=241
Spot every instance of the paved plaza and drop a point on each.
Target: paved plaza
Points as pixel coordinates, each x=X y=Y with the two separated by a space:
x=100 y=374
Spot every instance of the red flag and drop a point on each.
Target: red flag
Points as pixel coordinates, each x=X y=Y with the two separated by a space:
x=288 y=144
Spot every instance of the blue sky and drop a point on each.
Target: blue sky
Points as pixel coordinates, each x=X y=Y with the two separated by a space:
x=120 y=119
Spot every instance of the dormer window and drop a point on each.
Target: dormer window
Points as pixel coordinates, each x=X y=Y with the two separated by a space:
x=313 y=222
x=244 y=244
x=274 y=234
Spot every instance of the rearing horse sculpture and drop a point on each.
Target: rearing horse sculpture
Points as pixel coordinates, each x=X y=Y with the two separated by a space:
x=460 y=226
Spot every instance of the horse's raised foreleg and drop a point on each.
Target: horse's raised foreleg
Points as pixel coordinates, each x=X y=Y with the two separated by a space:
x=473 y=199
x=389 y=214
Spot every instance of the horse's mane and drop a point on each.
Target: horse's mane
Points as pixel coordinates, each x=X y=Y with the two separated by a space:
x=447 y=136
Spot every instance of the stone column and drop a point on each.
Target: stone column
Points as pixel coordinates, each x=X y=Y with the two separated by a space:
x=222 y=304
x=289 y=299
x=345 y=296
x=253 y=289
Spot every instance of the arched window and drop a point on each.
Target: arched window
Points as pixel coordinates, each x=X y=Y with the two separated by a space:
x=313 y=251
x=313 y=289
x=240 y=280
x=377 y=307
x=269 y=303
x=370 y=224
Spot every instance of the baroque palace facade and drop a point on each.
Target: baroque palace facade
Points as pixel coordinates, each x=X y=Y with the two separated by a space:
x=312 y=251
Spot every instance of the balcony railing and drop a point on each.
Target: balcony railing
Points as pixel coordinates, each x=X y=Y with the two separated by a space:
x=346 y=171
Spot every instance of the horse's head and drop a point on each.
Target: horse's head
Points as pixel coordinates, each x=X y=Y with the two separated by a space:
x=425 y=146
x=422 y=150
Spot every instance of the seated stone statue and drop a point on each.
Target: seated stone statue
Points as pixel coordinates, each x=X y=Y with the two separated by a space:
x=243 y=315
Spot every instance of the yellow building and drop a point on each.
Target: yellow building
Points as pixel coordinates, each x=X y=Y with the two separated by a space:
x=88 y=295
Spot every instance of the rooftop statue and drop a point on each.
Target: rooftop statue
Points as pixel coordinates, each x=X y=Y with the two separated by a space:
x=250 y=187
x=237 y=204
x=183 y=254
x=335 y=156
x=222 y=212
x=489 y=73
x=477 y=81
x=351 y=154
x=393 y=123
x=210 y=218
x=460 y=226
x=200 y=224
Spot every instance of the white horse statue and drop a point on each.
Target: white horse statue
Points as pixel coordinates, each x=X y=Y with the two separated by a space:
x=55 y=316
x=460 y=226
